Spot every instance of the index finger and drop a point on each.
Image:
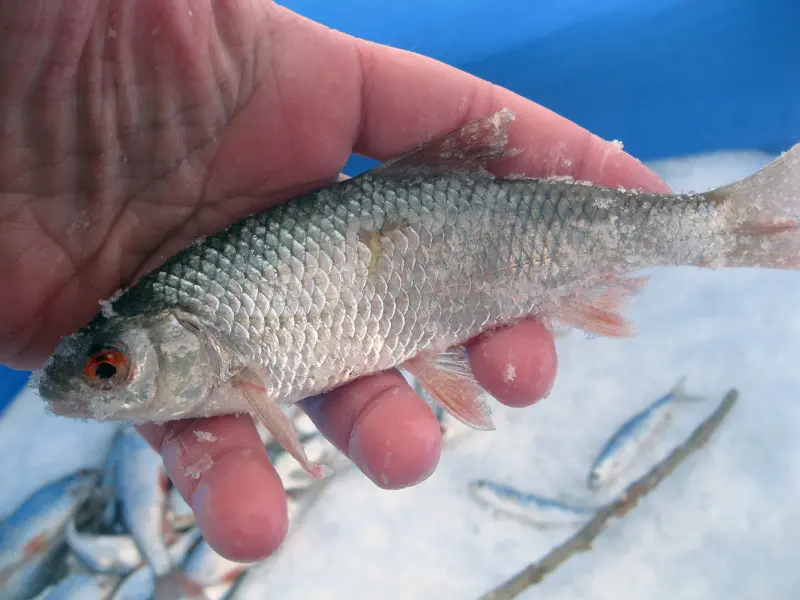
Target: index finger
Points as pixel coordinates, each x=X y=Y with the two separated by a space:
x=216 y=463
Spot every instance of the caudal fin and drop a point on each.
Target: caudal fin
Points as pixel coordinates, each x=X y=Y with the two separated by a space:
x=763 y=215
x=678 y=392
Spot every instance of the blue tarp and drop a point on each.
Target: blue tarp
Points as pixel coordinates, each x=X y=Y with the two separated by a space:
x=667 y=77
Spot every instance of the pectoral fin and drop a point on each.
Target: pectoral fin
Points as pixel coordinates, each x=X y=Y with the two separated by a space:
x=250 y=384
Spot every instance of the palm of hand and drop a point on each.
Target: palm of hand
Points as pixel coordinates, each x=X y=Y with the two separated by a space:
x=118 y=152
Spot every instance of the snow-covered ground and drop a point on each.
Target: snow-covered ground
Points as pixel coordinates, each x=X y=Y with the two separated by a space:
x=725 y=525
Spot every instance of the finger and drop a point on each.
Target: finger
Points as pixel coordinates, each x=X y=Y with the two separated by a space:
x=408 y=99
x=221 y=468
x=404 y=99
x=383 y=426
x=517 y=365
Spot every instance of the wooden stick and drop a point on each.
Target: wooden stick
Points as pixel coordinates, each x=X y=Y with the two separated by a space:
x=582 y=540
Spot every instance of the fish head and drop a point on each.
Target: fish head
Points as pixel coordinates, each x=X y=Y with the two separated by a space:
x=153 y=367
x=605 y=471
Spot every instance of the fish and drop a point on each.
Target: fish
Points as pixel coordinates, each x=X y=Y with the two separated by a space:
x=214 y=573
x=31 y=538
x=632 y=437
x=111 y=554
x=141 y=584
x=142 y=486
x=400 y=267
x=107 y=485
x=528 y=507
x=82 y=586
x=180 y=513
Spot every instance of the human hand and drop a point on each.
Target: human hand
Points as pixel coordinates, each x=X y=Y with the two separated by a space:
x=131 y=128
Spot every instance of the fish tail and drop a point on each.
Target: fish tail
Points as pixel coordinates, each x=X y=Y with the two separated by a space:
x=679 y=393
x=176 y=584
x=762 y=214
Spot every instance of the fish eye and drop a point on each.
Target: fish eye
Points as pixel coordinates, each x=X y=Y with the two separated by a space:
x=106 y=366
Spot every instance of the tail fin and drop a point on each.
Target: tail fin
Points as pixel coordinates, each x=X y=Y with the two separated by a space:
x=763 y=215
x=678 y=392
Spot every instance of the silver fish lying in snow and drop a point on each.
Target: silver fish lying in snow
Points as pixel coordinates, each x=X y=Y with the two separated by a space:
x=633 y=436
x=141 y=584
x=528 y=507
x=400 y=267
x=32 y=536
x=82 y=586
x=142 y=486
x=213 y=572
x=180 y=513
x=111 y=554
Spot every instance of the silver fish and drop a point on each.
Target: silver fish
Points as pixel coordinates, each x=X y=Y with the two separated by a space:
x=632 y=437
x=528 y=507
x=400 y=267
x=180 y=513
x=142 y=486
x=211 y=571
x=114 y=554
x=107 y=485
x=141 y=583
x=83 y=586
x=31 y=538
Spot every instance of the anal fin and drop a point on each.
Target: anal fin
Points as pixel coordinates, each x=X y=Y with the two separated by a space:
x=249 y=383
x=449 y=380
x=599 y=310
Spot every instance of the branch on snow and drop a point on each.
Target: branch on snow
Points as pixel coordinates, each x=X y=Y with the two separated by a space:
x=585 y=536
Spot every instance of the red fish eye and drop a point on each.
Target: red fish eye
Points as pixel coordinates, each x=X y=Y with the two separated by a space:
x=106 y=365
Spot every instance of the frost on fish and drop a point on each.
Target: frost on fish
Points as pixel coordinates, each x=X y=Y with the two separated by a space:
x=393 y=268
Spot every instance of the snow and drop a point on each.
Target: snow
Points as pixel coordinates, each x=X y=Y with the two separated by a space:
x=724 y=525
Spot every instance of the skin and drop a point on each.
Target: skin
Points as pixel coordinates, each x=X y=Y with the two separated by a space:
x=130 y=128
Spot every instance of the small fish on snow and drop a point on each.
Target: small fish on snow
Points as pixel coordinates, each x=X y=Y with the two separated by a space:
x=142 y=584
x=400 y=267
x=180 y=513
x=32 y=536
x=114 y=554
x=633 y=437
x=214 y=573
x=82 y=586
x=528 y=507
x=142 y=486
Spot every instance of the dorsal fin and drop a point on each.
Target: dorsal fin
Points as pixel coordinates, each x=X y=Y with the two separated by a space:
x=467 y=149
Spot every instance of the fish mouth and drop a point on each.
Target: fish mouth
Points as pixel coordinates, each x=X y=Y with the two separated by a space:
x=60 y=400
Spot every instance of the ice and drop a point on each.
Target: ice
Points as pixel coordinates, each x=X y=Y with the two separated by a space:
x=724 y=525
x=205 y=436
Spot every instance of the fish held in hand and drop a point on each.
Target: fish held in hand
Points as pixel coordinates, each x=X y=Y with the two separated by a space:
x=401 y=266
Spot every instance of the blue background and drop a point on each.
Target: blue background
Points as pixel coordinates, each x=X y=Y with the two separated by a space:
x=668 y=77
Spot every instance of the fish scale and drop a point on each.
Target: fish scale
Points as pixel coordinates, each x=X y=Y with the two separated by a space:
x=400 y=267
